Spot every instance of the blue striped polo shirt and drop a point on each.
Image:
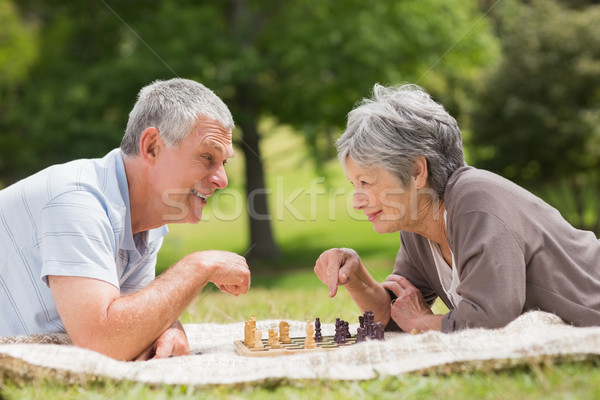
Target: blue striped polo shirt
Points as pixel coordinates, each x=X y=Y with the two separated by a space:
x=71 y=219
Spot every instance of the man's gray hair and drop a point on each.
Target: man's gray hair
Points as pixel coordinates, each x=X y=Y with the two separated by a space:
x=398 y=125
x=173 y=107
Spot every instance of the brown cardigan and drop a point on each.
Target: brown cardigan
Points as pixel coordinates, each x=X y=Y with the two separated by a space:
x=513 y=252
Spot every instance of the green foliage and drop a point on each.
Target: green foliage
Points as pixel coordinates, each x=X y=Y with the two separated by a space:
x=18 y=46
x=303 y=62
x=537 y=118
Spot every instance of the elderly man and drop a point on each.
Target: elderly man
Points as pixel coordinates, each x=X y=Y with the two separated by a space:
x=78 y=241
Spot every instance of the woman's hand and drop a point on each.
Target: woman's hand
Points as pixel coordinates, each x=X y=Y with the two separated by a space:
x=337 y=267
x=409 y=310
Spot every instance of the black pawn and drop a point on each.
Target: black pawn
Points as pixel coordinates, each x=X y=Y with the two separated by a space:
x=360 y=334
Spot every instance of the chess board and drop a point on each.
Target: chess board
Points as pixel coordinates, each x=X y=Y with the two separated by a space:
x=296 y=347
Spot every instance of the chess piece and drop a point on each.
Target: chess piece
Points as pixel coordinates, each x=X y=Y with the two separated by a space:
x=270 y=338
x=340 y=334
x=361 y=321
x=249 y=329
x=369 y=322
x=309 y=341
x=248 y=335
x=258 y=344
x=284 y=332
x=360 y=335
x=347 y=333
x=318 y=335
x=379 y=331
x=273 y=341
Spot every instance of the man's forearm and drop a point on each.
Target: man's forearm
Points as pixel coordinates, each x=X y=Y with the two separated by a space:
x=136 y=320
x=96 y=316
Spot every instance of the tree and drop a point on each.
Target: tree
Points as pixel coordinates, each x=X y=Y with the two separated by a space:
x=537 y=119
x=307 y=62
x=304 y=63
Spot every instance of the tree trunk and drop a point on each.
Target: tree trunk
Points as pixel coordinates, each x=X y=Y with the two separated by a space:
x=245 y=26
x=262 y=243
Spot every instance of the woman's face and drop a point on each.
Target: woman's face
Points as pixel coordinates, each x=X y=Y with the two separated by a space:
x=388 y=205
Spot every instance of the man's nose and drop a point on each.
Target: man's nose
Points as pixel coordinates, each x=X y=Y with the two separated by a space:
x=219 y=178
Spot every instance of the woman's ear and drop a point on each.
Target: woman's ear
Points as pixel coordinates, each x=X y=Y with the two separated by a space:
x=150 y=143
x=420 y=172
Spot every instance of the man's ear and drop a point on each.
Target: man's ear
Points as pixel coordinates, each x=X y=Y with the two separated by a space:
x=420 y=172
x=150 y=145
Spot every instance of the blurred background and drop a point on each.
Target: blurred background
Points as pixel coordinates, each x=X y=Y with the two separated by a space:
x=521 y=77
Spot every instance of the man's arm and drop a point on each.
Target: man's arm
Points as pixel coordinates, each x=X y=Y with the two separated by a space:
x=98 y=317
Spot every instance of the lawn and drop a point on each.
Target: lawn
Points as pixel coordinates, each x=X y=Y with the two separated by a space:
x=310 y=214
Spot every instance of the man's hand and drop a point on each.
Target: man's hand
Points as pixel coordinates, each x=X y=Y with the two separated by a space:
x=230 y=271
x=409 y=310
x=337 y=267
x=172 y=342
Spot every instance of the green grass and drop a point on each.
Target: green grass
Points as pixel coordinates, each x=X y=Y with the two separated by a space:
x=568 y=381
x=288 y=289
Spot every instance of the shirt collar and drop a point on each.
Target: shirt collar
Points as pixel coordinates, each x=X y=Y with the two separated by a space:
x=128 y=242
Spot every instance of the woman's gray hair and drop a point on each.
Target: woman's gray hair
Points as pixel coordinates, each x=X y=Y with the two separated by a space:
x=398 y=125
x=173 y=107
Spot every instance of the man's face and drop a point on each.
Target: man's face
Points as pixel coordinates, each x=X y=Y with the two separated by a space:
x=187 y=175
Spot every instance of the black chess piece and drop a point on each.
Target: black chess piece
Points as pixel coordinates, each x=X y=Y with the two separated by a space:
x=369 y=317
x=379 y=331
x=340 y=334
x=318 y=335
x=360 y=335
x=347 y=333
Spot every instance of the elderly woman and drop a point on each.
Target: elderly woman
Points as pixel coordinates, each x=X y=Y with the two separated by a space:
x=488 y=248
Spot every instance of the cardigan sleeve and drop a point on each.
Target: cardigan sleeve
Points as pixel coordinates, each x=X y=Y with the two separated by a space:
x=407 y=267
x=491 y=268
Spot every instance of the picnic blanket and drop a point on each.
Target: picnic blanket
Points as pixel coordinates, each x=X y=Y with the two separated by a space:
x=533 y=337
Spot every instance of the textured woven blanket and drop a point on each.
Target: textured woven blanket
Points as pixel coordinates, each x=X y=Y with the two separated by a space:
x=533 y=337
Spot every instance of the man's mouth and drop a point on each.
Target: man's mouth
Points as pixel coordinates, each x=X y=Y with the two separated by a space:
x=196 y=193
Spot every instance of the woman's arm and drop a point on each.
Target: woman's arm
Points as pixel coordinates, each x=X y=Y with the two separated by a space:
x=343 y=267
